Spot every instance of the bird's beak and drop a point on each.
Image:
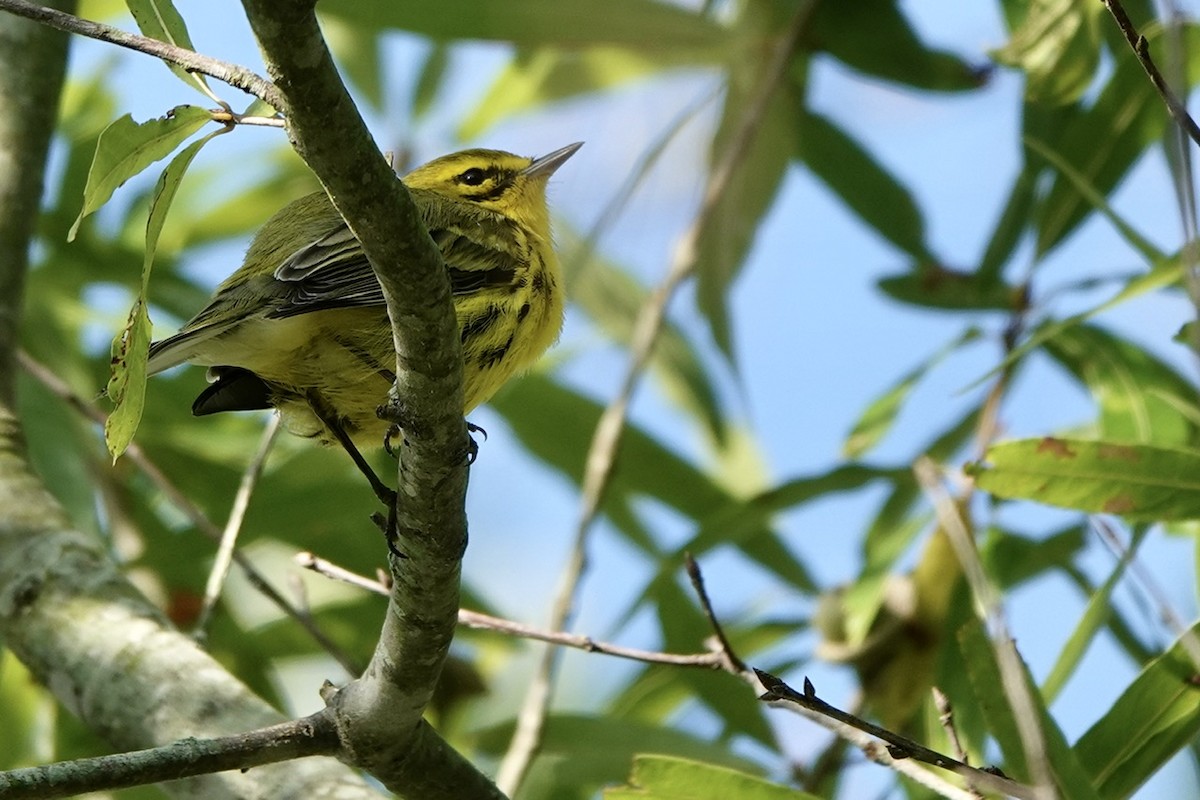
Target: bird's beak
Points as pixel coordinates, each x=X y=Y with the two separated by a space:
x=546 y=165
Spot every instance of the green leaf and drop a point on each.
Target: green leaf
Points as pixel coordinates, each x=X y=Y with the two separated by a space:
x=1094 y=617
x=640 y=24
x=1162 y=274
x=1141 y=398
x=127 y=384
x=663 y=778
x=127 y=147
x=1014 y=220
x=159 y=19
x=1069 y=774
x=613 y=298
x=580 y=753
x=1154 y=718
x=1139 y=482
x=932 y=285
x=729 y=230
x=556 y=424
x=1096 y=198
x=1012 y=559
x=874 y=423
x=873 y=193
x=356 y=49
x=127 y=387
x=1103 y=142
x=535 y=78
x=874 y=37
x=429 y=79
x=1058 y=47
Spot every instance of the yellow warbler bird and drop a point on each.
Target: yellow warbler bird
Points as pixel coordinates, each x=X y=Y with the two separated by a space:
x=302 y=326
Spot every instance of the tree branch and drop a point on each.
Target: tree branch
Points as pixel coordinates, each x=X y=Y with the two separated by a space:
x=134 y=453
x=185 y=758
x=236 y=76
x=379 y=715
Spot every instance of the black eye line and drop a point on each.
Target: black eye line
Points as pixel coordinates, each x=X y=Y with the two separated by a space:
x=483 y=173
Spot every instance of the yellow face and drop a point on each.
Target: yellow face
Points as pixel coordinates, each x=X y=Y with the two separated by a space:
x=488 y=177
x=510 y=185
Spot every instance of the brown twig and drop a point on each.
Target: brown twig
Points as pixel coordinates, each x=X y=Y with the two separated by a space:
x=56 y=386
x=946 y=719
x=481 y=621
x=1141 y=49
x=899 y=748
x=233 y=526
x=232 y=74
x=735 y=664
x=602 y=453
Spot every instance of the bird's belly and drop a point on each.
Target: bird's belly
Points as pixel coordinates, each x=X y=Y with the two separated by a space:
x=344 y=356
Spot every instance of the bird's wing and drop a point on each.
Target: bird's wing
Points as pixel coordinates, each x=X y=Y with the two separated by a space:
x=333 y=272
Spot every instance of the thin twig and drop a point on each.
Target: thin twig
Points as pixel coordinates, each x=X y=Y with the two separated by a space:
x=847 y=726
x=736 y=665
x=1141 y=49
x=481 y=621
x=232 y=74
x=899 y=749
x=185 y=758
x=56 y=386
x=233 y=526
x=946 y=719
x=1166 y=611
x=991 y=611
x=603 y=450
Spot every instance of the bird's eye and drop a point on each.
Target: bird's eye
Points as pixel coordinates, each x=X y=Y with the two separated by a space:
x=473 y=177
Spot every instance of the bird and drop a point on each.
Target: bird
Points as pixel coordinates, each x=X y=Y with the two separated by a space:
x=301 y=326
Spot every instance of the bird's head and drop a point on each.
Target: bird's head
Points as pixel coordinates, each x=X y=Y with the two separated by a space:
x=511 y=185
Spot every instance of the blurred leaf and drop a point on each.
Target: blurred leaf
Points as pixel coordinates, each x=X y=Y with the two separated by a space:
x=1012 y=559
x=1141 y=398
x=1162 y=274
x=1070 y=775
x=1058 y=47
x=535 y=78
x=873 y=36
x=634 y=23
x=579 y=753
x=1103 y=141
x=874 y=423
x=871 y=192
x=430 y=78
x=1094 y=617
x=159 y=19
x=662 y=778
x=355 y=47
x=613 y=299
x=1154 y=718
x=1097 y=200
x=935 y=286
x=127 y=147
x=556 y=424
x=1012 y=225
x=1138 y=482
x=729 y=229
x=744 y=519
